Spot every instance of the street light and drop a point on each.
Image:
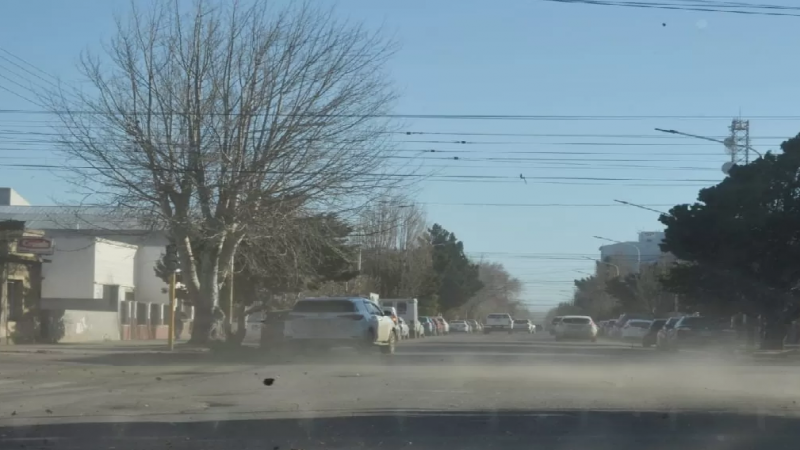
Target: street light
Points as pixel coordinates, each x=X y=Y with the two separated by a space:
x=606 y=263
x=638 y=252
x=641 y=207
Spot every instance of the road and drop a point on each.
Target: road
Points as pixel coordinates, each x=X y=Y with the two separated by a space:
x=457 y=391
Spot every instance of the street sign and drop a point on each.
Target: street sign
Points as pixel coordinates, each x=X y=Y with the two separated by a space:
x=35 y=244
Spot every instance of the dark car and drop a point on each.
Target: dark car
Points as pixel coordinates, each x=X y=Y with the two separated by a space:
x=651 y=336
x=692 y=331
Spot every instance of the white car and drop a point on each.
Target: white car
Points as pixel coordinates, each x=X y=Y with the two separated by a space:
x=405 y=330
x=498 y=322
x=576 y=327
x=322 y=323
x=635 y=329
x=523 y=325
x=460 y=326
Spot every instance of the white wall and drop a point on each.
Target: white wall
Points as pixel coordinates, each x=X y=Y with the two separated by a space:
x=70 y=274
x=113 y=265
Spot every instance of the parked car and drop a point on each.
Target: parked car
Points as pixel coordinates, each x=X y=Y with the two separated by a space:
x=431 y=329
x=322 y=323
x=475 y=326
x=445 y=327
x=616 y=330
x=634 y=329
x=695 y=331
x=554 y=324
x=417 y=329
x=522 y=325
x=663 y=335
x=576 y=327
x=651 y=336
x=499 y=322
x=405 y=330
x=460 y=326
x=608 y=327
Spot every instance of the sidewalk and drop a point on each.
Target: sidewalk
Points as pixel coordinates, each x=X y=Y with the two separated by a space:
x=148 y=346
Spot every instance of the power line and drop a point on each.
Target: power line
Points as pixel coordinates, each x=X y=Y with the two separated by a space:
x=51 y=124
x=272 y=172
x=519 y=117
x=694 y=5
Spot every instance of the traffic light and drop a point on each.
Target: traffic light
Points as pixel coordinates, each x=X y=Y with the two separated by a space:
x=171 y=258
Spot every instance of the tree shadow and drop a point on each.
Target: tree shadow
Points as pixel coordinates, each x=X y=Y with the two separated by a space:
x=434 y=429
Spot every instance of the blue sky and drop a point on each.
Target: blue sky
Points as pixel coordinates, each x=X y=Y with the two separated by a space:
x=524 y=57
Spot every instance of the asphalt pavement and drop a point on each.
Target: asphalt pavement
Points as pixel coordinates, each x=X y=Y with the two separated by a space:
x=459 y=391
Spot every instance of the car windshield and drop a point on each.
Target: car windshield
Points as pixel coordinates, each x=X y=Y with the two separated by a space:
x=576 y=320
x=324 y=306
x=240 y=224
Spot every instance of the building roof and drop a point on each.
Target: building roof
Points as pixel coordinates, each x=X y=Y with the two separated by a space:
x=72 y=218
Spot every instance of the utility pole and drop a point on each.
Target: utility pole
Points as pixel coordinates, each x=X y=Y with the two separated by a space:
x=230 y=297
x=171 y=264
x=171 y=341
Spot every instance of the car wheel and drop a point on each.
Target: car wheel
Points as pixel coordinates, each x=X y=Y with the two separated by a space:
x=389 y=348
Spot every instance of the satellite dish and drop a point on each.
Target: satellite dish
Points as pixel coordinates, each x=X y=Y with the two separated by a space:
x=726 y=168
x=729 y=143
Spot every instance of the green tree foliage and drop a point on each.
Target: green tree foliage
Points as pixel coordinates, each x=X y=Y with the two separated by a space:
x=458 y=276
x=642 y=292
x=316 y=251
x=741 y=240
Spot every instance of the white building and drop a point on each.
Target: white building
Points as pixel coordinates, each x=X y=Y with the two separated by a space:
x=629 y=255
x=101 y=272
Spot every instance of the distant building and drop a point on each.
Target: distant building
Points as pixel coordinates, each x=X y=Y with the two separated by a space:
x=100 y=281
x=628 y=255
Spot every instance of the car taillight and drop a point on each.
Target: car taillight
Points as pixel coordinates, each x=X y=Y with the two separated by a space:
x=352 y=316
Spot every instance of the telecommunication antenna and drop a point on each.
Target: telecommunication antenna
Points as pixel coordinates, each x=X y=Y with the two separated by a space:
x=738 y=142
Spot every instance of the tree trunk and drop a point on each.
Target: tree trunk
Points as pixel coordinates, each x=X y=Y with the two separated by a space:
x=201 y=327
x=209 y=320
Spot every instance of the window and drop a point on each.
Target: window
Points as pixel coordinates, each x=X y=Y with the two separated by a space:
x=402 y=307
x=577 y=320
x=324 y=306
x=373 y=309
x=16 y=306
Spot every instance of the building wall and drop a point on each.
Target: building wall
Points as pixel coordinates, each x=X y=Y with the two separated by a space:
x=88 y=326
x=10 y=197
x=625 y=255
x=70 y=272
x=114 y=264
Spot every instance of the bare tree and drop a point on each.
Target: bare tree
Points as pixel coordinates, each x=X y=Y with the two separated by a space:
x=395 y=254
x=215 y=119
x=500 y=293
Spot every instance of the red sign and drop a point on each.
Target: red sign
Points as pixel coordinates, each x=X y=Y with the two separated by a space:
x=35 y=245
